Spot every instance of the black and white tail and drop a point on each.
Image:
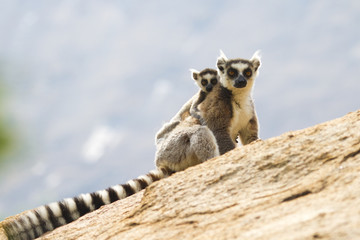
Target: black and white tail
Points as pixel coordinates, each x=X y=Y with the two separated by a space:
x=33 y=223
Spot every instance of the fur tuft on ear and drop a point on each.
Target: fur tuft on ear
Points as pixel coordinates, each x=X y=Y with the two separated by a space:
x=222 y=55
x=256 y=59
x=194 y=74
x=220 y=63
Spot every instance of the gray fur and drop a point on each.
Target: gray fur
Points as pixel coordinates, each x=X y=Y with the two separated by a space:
x=184 y=141
x=188 y=144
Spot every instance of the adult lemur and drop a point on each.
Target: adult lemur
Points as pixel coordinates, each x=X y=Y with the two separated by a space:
x=234 y=116
x=228 y=111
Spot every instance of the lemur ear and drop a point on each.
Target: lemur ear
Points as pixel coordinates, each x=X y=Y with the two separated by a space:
x=256 y=60
x=194 y=74
x=221 y=61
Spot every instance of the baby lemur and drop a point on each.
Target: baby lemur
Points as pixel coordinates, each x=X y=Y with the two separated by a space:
x=228 y=111
x=185 y=142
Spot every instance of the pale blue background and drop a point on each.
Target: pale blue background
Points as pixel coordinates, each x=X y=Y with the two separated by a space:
x=90 y=82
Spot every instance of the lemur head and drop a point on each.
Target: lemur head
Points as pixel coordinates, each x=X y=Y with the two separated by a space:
x=206 y=79
x=238 y=73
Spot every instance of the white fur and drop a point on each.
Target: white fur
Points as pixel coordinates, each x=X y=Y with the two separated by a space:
x=33 y=218
x=104 y=196
x=208 y=76
x=119 y=191
x=55 y=209
x=71 y=205
x=240 y=66
x=28 y=226
x=241 y=115
x=256 y=55
x=147 y=179
x=87 y=200
x=42 y=212
x=222 y=55
x=45 y=216
x=157 y=173
x=134 y=185
x=193 y=71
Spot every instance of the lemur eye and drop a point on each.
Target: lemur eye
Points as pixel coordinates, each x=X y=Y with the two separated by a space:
x=204 y=82
x=232 y=72
x=247 y=72
x=213 y=81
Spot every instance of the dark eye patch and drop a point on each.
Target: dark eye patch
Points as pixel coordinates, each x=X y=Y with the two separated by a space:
x=232 y=72
x=204 y=82
x=247 y=72
x=213 y=81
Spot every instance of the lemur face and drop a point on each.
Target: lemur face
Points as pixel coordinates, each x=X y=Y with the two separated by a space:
x=206 y=79
x=237 y=73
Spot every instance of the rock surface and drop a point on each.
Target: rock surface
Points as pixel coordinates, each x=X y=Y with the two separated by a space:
x=301 y=185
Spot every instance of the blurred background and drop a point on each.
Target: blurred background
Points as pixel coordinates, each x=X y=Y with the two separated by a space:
x=85 y=85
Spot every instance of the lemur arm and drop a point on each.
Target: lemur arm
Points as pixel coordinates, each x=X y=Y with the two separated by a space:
x=224 y=141
x=250 y=132
x=194 y=110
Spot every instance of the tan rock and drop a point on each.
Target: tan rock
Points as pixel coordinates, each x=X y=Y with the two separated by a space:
x=301 y=185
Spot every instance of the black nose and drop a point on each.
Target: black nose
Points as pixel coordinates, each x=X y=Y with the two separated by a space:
x=209 y=88
x=240 y=82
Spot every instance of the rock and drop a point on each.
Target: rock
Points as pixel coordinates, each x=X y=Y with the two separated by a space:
x=301 y=185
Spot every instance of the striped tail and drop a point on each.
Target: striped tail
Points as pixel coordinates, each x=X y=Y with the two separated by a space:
x=33 y=223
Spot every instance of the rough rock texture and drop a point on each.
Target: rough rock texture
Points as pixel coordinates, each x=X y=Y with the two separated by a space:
x=301 y=185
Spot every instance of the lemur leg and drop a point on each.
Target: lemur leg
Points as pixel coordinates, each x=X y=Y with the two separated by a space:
x=250 y=132
x=172 y=152
x=203 y=144
x=195 y=112
x=224 y=141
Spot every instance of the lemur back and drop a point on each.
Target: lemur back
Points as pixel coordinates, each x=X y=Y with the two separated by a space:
x=189 y=144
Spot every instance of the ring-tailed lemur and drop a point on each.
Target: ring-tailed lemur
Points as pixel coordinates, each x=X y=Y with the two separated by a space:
x=186 y=142
x=228 y=110
x=188 y=138
x=207 y=79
